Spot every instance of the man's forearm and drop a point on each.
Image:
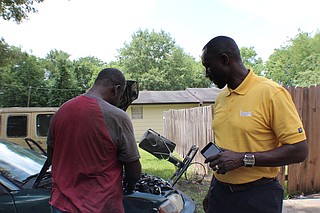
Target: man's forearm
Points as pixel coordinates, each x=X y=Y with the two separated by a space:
x=132 y=173
x=284 y=155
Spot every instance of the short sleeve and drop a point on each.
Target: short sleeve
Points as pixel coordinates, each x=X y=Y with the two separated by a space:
x=285 y=120
x=120 y=128
x=127 y=146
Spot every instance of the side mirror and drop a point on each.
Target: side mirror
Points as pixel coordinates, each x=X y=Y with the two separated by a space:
x=130 y=94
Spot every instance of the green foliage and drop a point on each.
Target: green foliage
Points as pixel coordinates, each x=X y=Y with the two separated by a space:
x=250 y=61
x=59 y=78
x=30 y=81
x=297 y=63
x=151 y=58
x=157 y=63
x=18 y=75
x=86 y=69
x=4 y=52
x=310 y=73
x=17 y=10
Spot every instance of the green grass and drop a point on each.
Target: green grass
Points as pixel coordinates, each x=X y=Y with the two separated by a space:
x=152 y=165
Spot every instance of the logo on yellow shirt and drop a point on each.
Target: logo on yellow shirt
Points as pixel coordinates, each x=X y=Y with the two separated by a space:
x=242 y=113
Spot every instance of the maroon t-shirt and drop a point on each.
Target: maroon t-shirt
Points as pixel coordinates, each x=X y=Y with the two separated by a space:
x=90 y=138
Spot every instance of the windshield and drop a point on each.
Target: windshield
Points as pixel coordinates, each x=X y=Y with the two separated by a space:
x=17 y=162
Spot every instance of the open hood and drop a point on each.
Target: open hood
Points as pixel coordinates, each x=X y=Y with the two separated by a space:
x=163 y=148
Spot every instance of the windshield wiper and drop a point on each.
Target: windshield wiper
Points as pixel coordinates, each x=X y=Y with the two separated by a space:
x=29 y=178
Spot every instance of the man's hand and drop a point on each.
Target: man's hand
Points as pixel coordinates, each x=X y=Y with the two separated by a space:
x=225 y=161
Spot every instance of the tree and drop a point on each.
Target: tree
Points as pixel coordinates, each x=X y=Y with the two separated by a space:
x=4 y=52
x=145 y=51
x=310 y=74
x=157 y=63
x=20 y=77
x=297 y=63
x=17 y=10
x=30 y=81
x=61 y=78
x=86 y=69
x=182 y=71
x=249 y=55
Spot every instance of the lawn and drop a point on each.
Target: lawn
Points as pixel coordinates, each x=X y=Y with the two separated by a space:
x=154 y=166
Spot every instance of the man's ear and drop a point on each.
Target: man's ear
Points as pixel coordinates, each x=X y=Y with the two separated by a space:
x=116 y=89
x=225 y=59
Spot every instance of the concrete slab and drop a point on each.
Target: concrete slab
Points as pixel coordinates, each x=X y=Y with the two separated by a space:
x=301 y=206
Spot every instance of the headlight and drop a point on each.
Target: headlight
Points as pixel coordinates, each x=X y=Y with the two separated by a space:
x=174 y=204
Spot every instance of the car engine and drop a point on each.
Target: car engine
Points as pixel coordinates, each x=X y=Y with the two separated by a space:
x=152 y=184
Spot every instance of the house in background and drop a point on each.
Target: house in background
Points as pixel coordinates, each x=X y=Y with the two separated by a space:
x=146 y=112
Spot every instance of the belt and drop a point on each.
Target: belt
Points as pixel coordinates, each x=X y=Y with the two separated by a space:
x=245 y=186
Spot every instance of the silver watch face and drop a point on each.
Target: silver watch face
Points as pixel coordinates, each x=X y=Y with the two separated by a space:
x=249 y=160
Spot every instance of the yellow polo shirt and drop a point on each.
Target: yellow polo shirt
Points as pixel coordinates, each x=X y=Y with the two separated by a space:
x=259 y=115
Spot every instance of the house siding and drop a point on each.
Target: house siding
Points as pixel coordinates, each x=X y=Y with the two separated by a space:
x=153 y=117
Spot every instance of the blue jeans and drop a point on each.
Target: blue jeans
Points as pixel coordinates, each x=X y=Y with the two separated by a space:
x=266 y=198
x=56 y=210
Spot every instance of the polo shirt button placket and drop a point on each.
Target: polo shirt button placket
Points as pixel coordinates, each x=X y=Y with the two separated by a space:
x=230 y=106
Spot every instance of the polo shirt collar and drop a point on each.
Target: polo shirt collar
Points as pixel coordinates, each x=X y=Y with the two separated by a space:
x=244 y=87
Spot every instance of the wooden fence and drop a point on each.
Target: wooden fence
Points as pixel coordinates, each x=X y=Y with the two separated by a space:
x=187 y=127
x=194 y=127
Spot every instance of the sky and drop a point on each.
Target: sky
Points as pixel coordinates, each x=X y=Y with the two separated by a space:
x=100 y=28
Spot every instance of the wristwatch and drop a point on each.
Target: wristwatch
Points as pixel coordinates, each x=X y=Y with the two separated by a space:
x=249 y=160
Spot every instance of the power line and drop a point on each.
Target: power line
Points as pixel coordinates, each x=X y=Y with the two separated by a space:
x=40 y=88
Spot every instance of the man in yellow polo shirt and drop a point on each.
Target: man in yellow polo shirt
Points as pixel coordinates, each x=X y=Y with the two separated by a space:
x=258 y=128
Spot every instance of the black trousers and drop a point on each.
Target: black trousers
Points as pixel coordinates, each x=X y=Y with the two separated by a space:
x=266 y=198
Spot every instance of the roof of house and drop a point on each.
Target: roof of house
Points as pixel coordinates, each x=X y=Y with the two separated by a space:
x=205 y=95
x=190 y=95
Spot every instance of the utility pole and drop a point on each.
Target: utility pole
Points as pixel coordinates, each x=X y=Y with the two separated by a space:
x=29 y=93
